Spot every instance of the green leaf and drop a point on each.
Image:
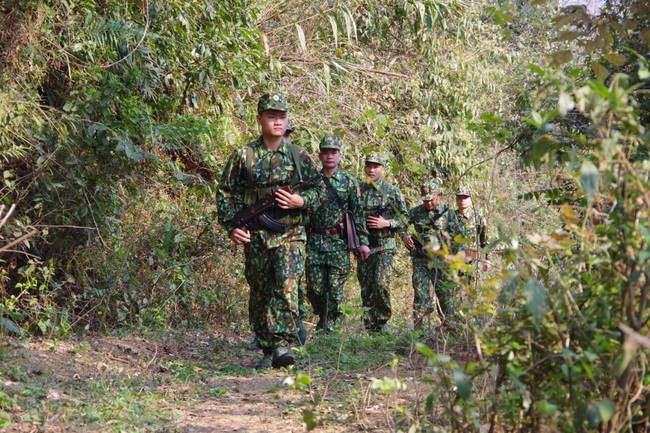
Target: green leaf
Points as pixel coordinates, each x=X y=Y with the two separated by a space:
x=599 y=412
x=5 y=419
x=546 y=407
x=463 y=384
x=600 y=71
x=9 y=325
x=616 y=59
x=536 y=304
x=589 y=180
x=561 y=57
x=309 y=418
x=425 y=350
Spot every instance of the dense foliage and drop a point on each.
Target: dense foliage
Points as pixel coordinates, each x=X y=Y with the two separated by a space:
x=116 y=118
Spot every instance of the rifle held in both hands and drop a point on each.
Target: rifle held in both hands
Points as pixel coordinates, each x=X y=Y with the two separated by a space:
x=257 y=212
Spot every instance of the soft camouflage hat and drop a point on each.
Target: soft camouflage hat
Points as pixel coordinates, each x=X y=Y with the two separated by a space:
x=272 y=101
x=289 y=127
x=429 y=190
x=330 y=142
x=376 y=158
x=464 y=190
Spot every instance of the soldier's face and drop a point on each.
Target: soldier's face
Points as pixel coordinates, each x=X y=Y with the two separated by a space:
x=330 y=158
x=374 y=171
x=273 y=123
x=430 y=204
x=287 y=137
x=463 y=202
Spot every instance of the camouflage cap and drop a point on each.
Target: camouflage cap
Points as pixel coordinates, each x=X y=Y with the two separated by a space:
x=272 y=101
x=330 y=142
x=464 y=190
x=377 y=158
x=429 y=190
x=289 y=127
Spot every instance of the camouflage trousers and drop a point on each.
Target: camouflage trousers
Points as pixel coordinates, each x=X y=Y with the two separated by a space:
x=425 y=275
x=374 y=278
x=327 y=273
x=274 y=278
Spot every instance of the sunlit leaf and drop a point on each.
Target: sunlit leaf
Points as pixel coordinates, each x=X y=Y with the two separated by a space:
x=536 y=303
x=616 y=59
x=565 y=103
x=589 y=180
x=335 y=30
x=425 y=350
x=301 y=38
x=600 y=71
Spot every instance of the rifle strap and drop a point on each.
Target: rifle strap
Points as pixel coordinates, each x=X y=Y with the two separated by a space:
x=384 y=193
x=333 y=194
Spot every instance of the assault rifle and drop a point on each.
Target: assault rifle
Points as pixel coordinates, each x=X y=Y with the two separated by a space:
x=417 y=250
x=257 y=211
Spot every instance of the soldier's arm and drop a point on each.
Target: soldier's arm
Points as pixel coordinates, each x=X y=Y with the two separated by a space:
x=230 y=192
x=354 y=205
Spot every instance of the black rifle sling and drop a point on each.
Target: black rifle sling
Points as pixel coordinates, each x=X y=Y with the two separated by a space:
x=333 y=194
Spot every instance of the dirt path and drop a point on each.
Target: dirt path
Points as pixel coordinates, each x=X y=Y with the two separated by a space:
x=191 y=383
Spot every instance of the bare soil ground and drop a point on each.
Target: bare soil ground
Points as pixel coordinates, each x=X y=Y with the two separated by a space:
x=192 y=382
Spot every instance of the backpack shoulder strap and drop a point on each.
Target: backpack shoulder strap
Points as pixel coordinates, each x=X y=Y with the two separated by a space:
x=249 y=166
x=295 y=153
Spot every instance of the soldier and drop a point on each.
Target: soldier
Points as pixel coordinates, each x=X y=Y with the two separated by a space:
x=302 y=332
x=274 y=260
x=287 y=133
x=428 y=219
x=384 y=207
x=328 y=257
x=469 y=224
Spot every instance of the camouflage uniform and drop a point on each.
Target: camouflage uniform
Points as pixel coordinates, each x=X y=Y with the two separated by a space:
x=328 y=258
x=274 y=261
x=428 y=268
x=470 y=226
x=374 y=273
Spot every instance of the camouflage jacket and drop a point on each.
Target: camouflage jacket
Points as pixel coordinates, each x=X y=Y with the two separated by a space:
x=423 y=227
x=470 y=226
x=269 y=170
x=328 y=215
x=394 y=210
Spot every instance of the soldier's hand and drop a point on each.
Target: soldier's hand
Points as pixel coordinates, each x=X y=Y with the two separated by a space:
x=364 y=252
x=240 y=237
x=286 y=200
x=378 y=222
x=408 y=241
